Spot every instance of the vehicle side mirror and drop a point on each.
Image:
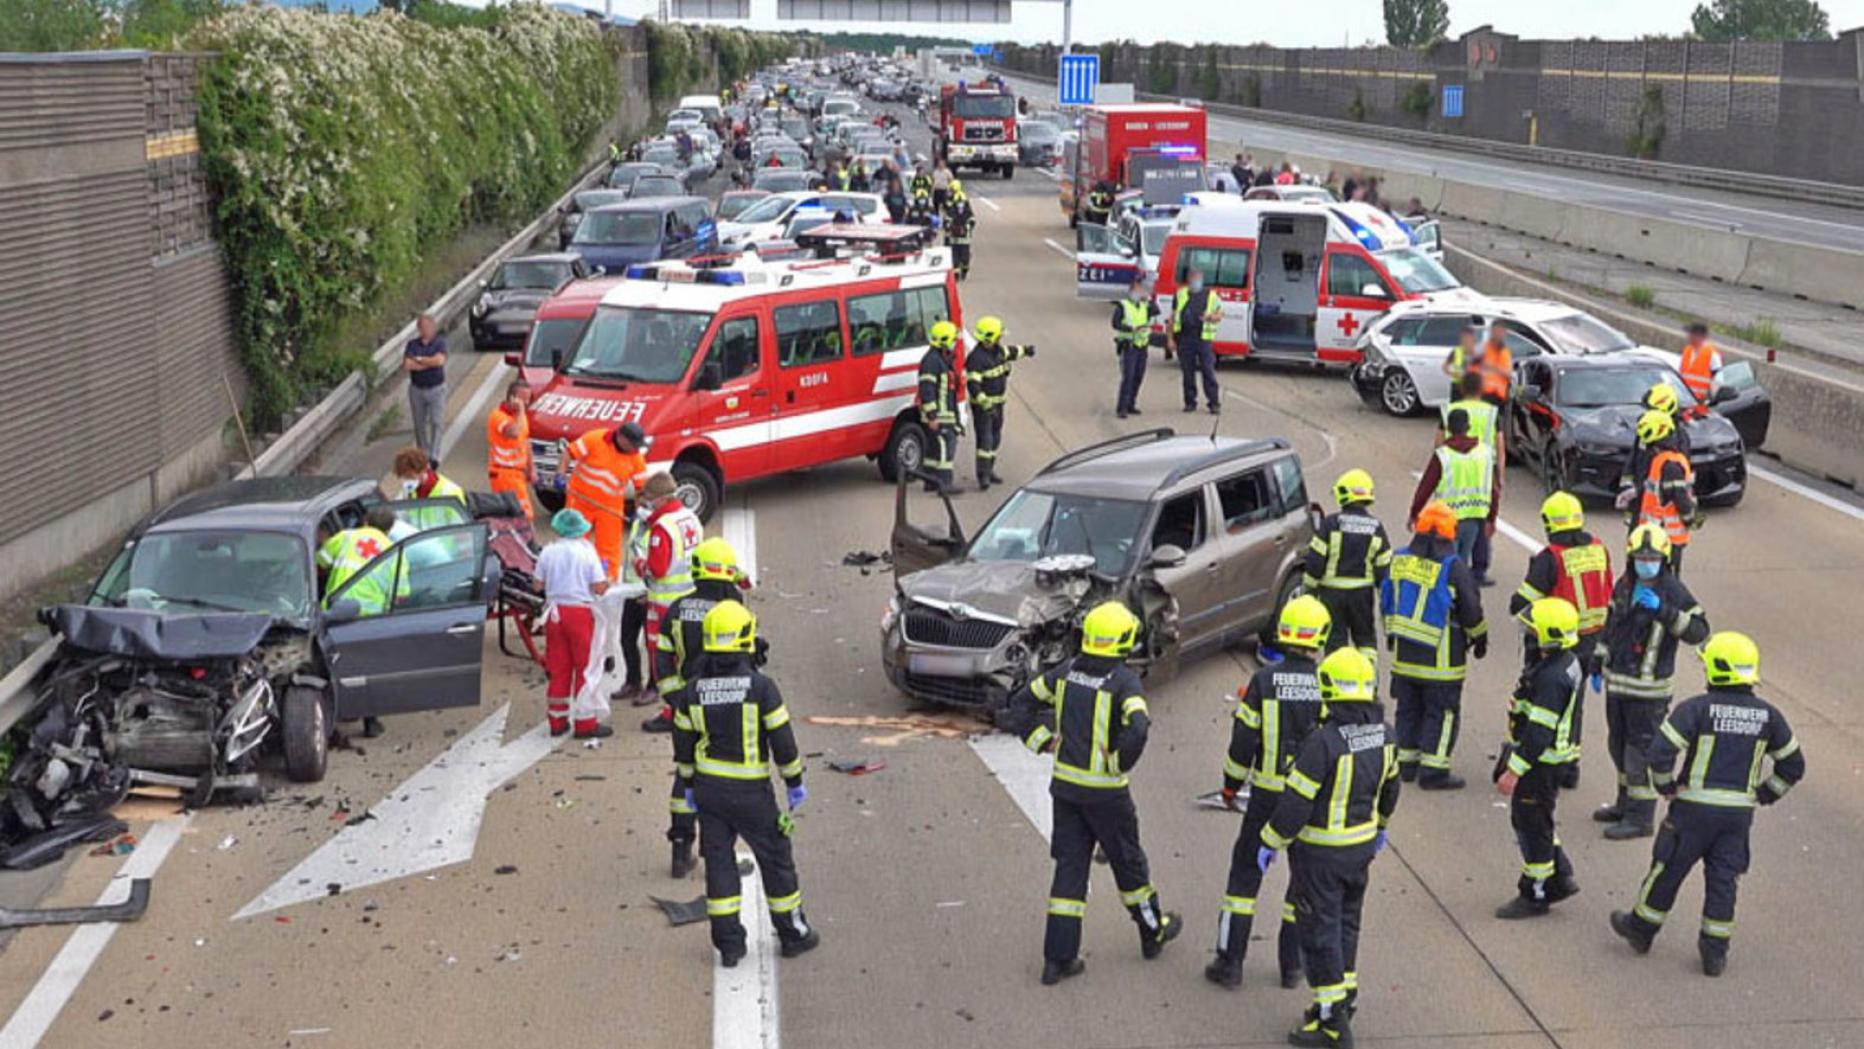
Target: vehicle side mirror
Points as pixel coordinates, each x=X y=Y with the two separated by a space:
x=1723 y=394
x=1167 y=556
x=347 y=610
x=556 y=360
x=485 y=283
x=1374 y=291
x=711 y=376
x=514 y=360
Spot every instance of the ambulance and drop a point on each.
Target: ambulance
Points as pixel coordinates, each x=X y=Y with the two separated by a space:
x=740 y=368
x=1299 y=282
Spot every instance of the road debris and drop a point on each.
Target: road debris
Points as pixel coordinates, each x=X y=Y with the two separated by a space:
x=857 y=766
x=1214 y=800
x=48 y=845
x=508 y=868
x=127 y=911
x=227 y=843
x=121 y=845
x=906 y=726
x=868 y=561
x=681 y=913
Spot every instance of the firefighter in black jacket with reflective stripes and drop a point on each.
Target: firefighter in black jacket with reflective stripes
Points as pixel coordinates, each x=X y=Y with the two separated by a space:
x=1340 y=797
x=1347 y=559
x=987 y=381
x=716 y=578
x=1100 y=723
x=1722 y=737
x=938 y=403
x=1278 y=708
x=1541 y=743
x=729 y=727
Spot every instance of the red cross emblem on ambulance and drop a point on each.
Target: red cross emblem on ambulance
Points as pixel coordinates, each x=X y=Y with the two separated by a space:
x=1348 y=324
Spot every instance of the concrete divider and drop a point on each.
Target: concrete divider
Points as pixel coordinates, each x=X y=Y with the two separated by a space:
x=1401 y=186
x=1534 y=215
x=1825 y=274
x=1469 y=201
x=1674 y=245
x=1818 y=423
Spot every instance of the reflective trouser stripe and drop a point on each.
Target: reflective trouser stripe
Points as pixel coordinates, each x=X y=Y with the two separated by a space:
x=786 y=904
x=1351 y=981
x=1287 y=912
x=1645 y=910
x=680 y=806
x=1138 y=896
x=1066 y=908
x=1439 y=758
x=1718 y=929
x=1537 y=871
x=723 y=906
x=1243 y=905
x=1330 y=993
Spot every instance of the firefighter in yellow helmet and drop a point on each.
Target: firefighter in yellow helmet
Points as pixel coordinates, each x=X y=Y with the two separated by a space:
x=1576 y=567
x=1096 y=723
x=716 y=579
x=1668 y=499
x=1721 y=736
x=987 y=381
x=1542 y=740
x=730 y=731
x=1341 y=793
x=1651 y=613
x=1347 y=559
x=1274 y=713
x=938 y=404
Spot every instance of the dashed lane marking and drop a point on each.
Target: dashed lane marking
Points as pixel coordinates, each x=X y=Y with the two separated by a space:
x=1065 y=251
x=60 y=981
x=987 y=202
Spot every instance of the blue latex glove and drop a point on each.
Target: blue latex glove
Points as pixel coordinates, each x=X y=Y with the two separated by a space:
x=1378 y=843
x=798 y=795
x=1597 y=681
x=1265 y=858
x=690 y=803
x=1646 y=598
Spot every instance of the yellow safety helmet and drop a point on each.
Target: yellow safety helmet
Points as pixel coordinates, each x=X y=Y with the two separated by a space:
x=944 y=335
x=957 y=190
x=1305 y=623
x=990 y=329
x=729 y=627
x=1353 y=486
x=1562 y=512
x=1662 y=398
x=715 y=560
x=1647 y=540
x=1731 y=658
x=1347 y=676
x=1110 y=629
x=1654 y=426
x=1555 y=622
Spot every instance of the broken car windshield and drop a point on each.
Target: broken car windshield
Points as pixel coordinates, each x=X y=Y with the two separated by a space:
x=219 y=571
x=1034 y=525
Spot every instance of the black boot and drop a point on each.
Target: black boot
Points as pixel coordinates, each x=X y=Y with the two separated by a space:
x=1611 y=813
x=1439 y=779
x=1054 y=972
x=803 y=944
x=682 y=858
x=1407 y=771
x=1152 y=942
x=1225 y=971
x=1561 y=889
x=1331 y=1032
x=1522 y=907
x=1714 y=953
x=1634 y=932
x=729 y=957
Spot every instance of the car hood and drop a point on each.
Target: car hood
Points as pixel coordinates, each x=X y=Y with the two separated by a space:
x=146 y=634
x=1005 y=590
x=515 y=298
x=1617 y=425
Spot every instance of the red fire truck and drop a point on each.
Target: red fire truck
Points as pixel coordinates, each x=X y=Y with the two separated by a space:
x=977 y=127
x=1131 y=146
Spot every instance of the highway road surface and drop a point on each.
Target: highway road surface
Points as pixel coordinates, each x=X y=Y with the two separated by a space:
x=928 y=878
x=1791 y=221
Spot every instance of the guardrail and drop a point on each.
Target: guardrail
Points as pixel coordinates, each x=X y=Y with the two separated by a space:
x=1750 y=183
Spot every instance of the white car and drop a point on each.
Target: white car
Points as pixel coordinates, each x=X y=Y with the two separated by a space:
x=769 y=219
x=1404 y=351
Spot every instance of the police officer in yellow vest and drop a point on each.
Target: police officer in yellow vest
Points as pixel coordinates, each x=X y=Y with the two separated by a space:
x=1132 y=341
x=1464 y=474
x=1196 y=313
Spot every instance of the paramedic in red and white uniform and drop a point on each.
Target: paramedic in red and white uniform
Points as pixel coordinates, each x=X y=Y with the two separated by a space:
x=572 y=576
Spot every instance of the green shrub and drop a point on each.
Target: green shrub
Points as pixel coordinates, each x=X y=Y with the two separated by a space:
x=1210 y=82
x=341 y=150
x=1251 y=93
x=1417 y=100
x=1641 y=296
x=1647 y=125
x=1761 y=331
x=1357 y=109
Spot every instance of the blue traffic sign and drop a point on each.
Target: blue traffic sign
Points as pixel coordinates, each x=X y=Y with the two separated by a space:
x=981 y=49
x=1080 y=75
x=1452 y=100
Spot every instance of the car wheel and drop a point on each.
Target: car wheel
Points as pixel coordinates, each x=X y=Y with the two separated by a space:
x=307 y=733
x=1290 y=589
x=1551 y=476
x=1009 y=172
x=697 y=487
x=1398 y=393
x=905 y=450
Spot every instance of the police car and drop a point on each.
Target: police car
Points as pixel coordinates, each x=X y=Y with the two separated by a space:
x=740 y=368
x=1107 y=258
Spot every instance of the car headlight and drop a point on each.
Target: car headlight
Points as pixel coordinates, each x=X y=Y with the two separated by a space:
x=479 y=307
x=891 y=615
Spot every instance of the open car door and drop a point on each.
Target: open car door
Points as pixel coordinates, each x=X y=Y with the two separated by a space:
x=406 y=633
x=1102 y=270
x=1428 y=236
x=914 y=548
x=1739 y=397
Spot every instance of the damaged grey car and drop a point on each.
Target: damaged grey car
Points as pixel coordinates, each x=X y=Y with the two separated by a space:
x=209 y=642
x=1201 y=536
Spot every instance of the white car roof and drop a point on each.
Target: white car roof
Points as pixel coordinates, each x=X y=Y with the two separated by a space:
x=1528 y=311
x=1227 y=215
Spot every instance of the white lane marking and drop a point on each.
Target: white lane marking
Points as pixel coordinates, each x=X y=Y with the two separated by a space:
x=1058 y=247
x=986 y=201
x=475 y=408
x=740 y=530
x=86 y=944
x=1522 y=539
x=431 y=820
x=1023 y=774
x=1333 y=445
x=1047 y=174
x=1712 y=220
x=1830 y=502
x=745 y=1013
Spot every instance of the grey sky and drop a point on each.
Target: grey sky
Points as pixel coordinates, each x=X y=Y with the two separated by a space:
x=1306 y=23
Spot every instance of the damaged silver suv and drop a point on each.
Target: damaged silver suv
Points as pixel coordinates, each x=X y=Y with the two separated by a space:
x=1202 y=536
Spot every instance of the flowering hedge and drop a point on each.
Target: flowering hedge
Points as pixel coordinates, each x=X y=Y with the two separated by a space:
x=342 y=150
x=680 y=57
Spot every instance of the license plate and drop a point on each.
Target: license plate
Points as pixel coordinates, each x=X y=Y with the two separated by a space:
x=935 y=665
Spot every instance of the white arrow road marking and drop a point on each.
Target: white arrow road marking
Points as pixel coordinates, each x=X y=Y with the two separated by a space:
x=1022 y=773
x=86 y=944
x=432 y=820
x=744 y=999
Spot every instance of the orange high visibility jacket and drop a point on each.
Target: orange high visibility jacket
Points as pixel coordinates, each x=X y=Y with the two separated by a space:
x=1658 y=505
x=604 y=475
x=1496 y=366
x=507 y=453
x=1699 y=366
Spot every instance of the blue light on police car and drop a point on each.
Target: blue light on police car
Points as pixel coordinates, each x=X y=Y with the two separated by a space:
x=639 y=272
